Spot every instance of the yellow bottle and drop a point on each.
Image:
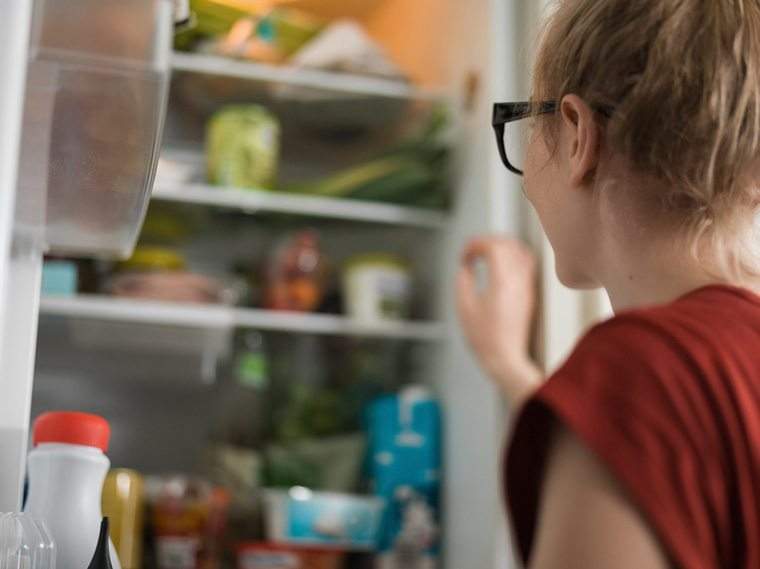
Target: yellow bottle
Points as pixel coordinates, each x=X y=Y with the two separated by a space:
x=123 y=503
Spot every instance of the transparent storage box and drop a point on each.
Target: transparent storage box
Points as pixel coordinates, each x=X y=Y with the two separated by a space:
x=25 y=543
x=95 y=102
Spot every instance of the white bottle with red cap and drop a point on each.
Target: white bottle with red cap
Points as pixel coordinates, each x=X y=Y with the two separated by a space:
x=67 y=467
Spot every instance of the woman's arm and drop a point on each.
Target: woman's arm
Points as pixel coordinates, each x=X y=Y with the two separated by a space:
x=585 y=519
x=497 y=314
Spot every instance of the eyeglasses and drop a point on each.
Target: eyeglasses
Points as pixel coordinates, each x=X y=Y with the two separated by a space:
x=512 y=132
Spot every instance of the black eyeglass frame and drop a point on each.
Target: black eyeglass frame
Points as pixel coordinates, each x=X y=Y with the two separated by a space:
x=505 y=113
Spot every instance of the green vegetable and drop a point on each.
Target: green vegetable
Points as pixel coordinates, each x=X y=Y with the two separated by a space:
x=402 y=186
x=216 y=18
x=413 y=173
x=344 y=183
x=286 y=28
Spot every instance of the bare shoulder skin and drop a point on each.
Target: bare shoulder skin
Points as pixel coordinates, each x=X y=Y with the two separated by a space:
x=585 y=520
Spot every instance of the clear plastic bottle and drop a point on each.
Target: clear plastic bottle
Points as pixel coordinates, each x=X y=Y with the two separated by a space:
x=242 y=403
x=67 y=468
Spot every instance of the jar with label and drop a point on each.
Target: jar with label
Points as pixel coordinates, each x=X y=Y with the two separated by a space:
x=377 y=287
x=188 y=520
x=242 y=147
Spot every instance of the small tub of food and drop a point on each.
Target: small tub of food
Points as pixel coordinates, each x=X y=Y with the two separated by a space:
x=377 y=287
x=304 y=517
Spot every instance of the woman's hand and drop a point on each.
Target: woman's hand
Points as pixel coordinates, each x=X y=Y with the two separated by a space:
x=497 y=315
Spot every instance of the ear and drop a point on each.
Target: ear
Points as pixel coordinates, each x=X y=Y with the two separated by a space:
x=583 y=135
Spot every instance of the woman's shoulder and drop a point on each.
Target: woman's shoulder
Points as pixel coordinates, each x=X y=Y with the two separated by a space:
x=711 y=322
x=706 y=306
x=667 y=366
x=662 y=396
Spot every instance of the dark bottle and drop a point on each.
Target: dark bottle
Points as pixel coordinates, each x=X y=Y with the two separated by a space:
x=101 y=559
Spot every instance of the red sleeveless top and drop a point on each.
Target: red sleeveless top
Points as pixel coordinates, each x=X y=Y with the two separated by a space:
x=669 y=399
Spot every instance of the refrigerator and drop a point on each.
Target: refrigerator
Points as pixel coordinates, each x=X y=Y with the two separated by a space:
x=84 y=92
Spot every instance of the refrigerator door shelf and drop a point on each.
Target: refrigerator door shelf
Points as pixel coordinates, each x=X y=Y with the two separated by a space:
x=95 y=101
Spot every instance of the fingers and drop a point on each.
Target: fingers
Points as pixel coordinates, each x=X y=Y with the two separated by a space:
x=489 y=251
x=467 y=291
x=481 y=248
x=502 y=256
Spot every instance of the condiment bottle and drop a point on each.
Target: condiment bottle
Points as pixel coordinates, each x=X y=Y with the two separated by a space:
x=67 y=467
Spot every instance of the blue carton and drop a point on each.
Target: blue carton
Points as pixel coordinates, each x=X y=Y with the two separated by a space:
x=404 y=433
x=59 y=278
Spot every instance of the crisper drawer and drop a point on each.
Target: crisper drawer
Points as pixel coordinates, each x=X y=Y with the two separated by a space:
x=95 y=101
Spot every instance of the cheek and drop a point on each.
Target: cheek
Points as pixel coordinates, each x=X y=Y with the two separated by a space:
x=564 y=218
x=539 y=174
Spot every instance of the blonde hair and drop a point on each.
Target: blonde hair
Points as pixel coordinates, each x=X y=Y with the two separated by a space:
x=682 y=78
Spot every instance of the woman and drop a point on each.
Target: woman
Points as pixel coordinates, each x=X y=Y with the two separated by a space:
x=643 y=450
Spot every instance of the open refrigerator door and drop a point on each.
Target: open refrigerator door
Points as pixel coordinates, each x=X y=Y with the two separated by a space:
x=84 y=88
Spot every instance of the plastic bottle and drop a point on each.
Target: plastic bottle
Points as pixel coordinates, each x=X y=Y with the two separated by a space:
x=242 y=410
x=66 y=471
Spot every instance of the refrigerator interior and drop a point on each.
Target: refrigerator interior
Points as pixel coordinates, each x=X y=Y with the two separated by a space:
x=162 y=375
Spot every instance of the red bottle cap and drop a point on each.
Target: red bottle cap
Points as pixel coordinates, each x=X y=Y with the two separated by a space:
x=73 y=428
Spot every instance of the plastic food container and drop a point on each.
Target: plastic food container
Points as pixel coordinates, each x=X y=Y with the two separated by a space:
x=377 y=287
x=156 y=273
x=280 y=556
x=97 y=83
x=59 y=277
x=153 y=259
x=301 y=516
x=25 y=542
